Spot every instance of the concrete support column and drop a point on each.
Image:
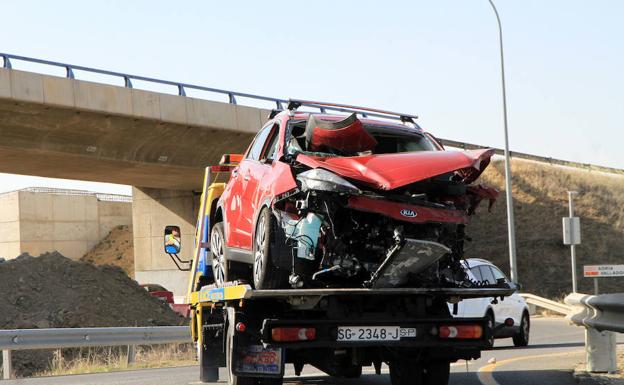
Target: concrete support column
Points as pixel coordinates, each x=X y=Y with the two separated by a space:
x=600 y=348
x=152 y=210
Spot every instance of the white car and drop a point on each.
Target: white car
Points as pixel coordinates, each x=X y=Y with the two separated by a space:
x=513 y=307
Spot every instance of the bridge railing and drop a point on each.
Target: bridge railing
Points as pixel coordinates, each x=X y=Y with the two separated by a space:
x=602 y=316
x=278 y=103
x=25 y=339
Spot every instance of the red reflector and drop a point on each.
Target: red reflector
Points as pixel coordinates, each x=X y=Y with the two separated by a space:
x=220 y=168
x=509 y=322
x=461 y=332
x=293 y=334
x=240 y=327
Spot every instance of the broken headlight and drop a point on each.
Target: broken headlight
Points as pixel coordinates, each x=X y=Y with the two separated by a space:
x=323 y=180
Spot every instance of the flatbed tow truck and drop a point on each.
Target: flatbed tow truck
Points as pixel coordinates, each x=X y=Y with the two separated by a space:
x=254 y=333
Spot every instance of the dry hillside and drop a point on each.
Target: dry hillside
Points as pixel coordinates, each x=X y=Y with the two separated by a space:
x=540 y=200
x=115 y=249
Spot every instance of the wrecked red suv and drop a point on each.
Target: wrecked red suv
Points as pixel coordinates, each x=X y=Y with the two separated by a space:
x=322 y=200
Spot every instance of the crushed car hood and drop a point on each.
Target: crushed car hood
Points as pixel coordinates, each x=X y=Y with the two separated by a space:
x=390 y=171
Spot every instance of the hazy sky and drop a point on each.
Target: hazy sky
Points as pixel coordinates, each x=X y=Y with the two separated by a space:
x=438 y=59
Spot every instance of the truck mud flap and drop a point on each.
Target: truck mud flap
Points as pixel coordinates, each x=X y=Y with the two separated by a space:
x=258 y=361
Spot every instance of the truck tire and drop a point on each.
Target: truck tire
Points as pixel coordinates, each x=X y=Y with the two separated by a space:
x=207 y=371
x=265 y=274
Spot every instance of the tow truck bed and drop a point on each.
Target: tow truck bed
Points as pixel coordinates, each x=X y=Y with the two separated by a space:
x=255 y=332
x=237 y=292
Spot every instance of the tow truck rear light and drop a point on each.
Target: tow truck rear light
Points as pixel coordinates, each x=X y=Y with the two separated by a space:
x=291 y=334
x=460 y=332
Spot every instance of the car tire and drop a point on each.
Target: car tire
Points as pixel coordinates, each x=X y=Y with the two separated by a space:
x=266 y=275
x=522 y=337
x=220 y=265
x=491 y=323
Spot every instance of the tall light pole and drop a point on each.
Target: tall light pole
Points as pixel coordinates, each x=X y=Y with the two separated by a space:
x=510 y=215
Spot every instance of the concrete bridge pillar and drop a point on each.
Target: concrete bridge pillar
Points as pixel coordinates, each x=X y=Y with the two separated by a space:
x=152 y=210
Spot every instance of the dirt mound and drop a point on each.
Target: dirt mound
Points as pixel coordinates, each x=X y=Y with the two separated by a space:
x=115 y=249
x=540 y=200
x=52 y=291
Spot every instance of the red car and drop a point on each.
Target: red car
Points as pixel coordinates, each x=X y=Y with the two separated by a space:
x=321 y=200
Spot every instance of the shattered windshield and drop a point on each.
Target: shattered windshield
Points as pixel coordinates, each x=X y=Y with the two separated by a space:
x=390 y=140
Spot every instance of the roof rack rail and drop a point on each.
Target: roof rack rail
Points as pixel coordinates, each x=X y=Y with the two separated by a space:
x=293 y=104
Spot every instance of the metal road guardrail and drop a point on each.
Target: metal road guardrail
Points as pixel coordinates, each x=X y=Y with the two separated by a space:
x=601 y=312
x=546 y=303
x=279 y=104
x=25 y=339
x=536 y=158
x=602 y=316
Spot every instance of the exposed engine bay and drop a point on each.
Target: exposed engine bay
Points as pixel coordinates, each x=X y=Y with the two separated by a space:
x=361 y=217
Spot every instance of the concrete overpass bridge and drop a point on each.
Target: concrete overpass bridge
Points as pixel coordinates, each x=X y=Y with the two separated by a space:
x=159 y=143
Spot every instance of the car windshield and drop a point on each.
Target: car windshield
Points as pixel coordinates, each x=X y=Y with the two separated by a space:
x=390 y=140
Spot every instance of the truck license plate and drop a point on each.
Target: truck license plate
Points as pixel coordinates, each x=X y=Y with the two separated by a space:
x=374 y=333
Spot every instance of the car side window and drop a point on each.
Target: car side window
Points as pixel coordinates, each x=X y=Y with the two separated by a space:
x=498 y=274
x=270 y=151
x=486 y=274
x=477 y=273
x=258 y=144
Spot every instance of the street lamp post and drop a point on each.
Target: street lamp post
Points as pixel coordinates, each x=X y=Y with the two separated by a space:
x=510 y=215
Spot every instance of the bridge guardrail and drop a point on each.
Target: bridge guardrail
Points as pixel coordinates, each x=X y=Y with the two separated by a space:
x=25 y=339
x=279 y=104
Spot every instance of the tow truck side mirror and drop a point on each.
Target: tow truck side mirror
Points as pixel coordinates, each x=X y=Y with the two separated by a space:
x=172 y=240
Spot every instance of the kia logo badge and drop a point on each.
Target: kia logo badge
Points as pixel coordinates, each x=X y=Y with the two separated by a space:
x=408 y=213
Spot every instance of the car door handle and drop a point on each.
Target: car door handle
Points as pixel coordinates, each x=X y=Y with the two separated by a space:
x=247 y=177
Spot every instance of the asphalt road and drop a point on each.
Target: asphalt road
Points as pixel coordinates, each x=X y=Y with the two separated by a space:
x=555 y=349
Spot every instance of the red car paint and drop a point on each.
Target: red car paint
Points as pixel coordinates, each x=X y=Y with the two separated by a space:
x=407 y=212
x=390 y=171
x=254 y=184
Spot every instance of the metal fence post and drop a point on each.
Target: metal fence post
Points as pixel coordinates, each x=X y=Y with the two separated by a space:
x=7 y=365
x=131 y=355
x=600 y=349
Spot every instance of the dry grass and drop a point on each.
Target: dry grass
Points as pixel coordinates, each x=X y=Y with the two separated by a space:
x=97 y=360
x=540 y=200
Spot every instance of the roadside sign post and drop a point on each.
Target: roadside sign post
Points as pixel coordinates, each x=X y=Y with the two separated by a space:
x=602 y=271
x=572 y=235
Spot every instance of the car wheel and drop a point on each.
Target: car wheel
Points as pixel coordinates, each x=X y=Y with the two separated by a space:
x=265 y=274
x=490 y=324
x=220 y=266
x=522 y=338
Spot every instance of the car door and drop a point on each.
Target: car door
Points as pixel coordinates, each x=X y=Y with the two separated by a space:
x=514 y=304
x=240 y=208
x=501 y=308
x=473 y=307
x=256 y=168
